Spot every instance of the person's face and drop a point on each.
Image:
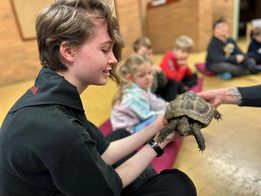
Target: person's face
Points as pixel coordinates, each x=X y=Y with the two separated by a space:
x=143 y=76
x=181 y=54
x=93 y=61
x=258 y=38
x=147 y=52
x=221 y=30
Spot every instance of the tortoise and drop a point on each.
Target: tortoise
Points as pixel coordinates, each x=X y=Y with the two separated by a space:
x=187 y=114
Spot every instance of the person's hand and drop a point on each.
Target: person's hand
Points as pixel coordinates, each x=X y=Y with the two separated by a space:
x=160 y=122
x=240 y=58
x=222 y=96
x=156 y=69
x=214 y=97
x=182 y=62
x=171 y=137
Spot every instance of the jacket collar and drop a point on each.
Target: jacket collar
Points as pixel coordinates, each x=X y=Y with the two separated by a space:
x=50 y=89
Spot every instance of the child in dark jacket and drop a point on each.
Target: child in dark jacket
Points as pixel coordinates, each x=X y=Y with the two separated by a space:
x=254 y=49
x=224 y=57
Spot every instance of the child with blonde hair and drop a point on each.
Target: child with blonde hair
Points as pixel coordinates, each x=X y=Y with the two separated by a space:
x=47 y=144
x=174 y=63
x=134 y=106
x=163 y=87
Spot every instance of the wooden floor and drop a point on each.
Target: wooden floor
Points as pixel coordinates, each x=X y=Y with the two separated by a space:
x=231 y=163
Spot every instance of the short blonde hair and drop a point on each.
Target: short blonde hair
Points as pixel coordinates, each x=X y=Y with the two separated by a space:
x=257 y=31
x=129 y=67
x=141 y=42
x=184 y=42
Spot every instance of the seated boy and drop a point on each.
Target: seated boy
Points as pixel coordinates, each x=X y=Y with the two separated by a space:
x=162 y=87
x=174 y=63
x=224 y=57
x=254 y=49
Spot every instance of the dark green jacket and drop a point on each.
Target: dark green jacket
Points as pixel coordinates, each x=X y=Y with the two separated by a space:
x=48 y=147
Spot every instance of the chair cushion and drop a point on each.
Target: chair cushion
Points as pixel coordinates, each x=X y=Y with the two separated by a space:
x=201 y=67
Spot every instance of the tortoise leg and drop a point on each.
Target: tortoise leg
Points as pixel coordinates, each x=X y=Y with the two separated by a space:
x=183 y=127
x=217 y=115
x=198 y=136
x=170 y=128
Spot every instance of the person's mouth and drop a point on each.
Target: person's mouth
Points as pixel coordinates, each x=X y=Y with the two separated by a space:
x=107 y=72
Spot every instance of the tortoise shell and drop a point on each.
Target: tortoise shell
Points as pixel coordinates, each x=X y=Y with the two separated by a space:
x=193 y=106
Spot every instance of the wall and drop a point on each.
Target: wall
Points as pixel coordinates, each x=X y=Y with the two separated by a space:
x=18 y=58
x=128 y=13
x=224 y=8
x=192 y=18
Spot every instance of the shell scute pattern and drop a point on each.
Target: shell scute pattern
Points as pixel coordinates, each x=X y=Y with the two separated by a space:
x=187 y=114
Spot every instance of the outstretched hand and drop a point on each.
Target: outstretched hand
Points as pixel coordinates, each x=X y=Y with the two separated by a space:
x=214 y=97
x=221 y=96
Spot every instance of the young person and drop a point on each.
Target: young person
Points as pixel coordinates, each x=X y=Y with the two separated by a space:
x=174 y=63
x=134 y=106
x=242 y=96
x=47 y=145
x=254 y=48
x=224 y=57
x=163 y=87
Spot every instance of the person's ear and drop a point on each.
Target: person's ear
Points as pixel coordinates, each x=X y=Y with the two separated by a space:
x=67 y=52
x=129 y=78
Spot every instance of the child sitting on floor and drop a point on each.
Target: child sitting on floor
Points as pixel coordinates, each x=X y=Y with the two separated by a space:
x=134 y=106
x=254 y=49
x=174 y=63
x=165 y=88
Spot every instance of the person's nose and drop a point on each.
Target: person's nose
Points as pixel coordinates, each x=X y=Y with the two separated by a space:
x=149 y=77
x=112 y=59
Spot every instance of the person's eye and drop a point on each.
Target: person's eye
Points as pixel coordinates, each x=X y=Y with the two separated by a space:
x=105 y=50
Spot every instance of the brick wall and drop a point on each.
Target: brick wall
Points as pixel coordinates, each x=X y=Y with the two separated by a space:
x=18 y=58
x=205 y=25
x=128 y=12
x=224 y=8
x=193 y=18
x=165 y=23
x=186 y=17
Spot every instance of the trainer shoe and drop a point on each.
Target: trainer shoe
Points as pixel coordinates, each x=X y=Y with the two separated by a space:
x=225 y=76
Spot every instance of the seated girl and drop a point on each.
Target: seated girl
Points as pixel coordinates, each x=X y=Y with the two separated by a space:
x=134 y=106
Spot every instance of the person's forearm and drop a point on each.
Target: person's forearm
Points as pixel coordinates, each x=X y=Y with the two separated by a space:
x=251 y=96
x=232 y=96
x=120 y=148
x=134 y=166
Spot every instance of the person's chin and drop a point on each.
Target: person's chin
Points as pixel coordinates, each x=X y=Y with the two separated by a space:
x=148 y=87
x=102 y=82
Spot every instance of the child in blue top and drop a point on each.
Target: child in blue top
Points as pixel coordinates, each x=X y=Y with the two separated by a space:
x=134 y=105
